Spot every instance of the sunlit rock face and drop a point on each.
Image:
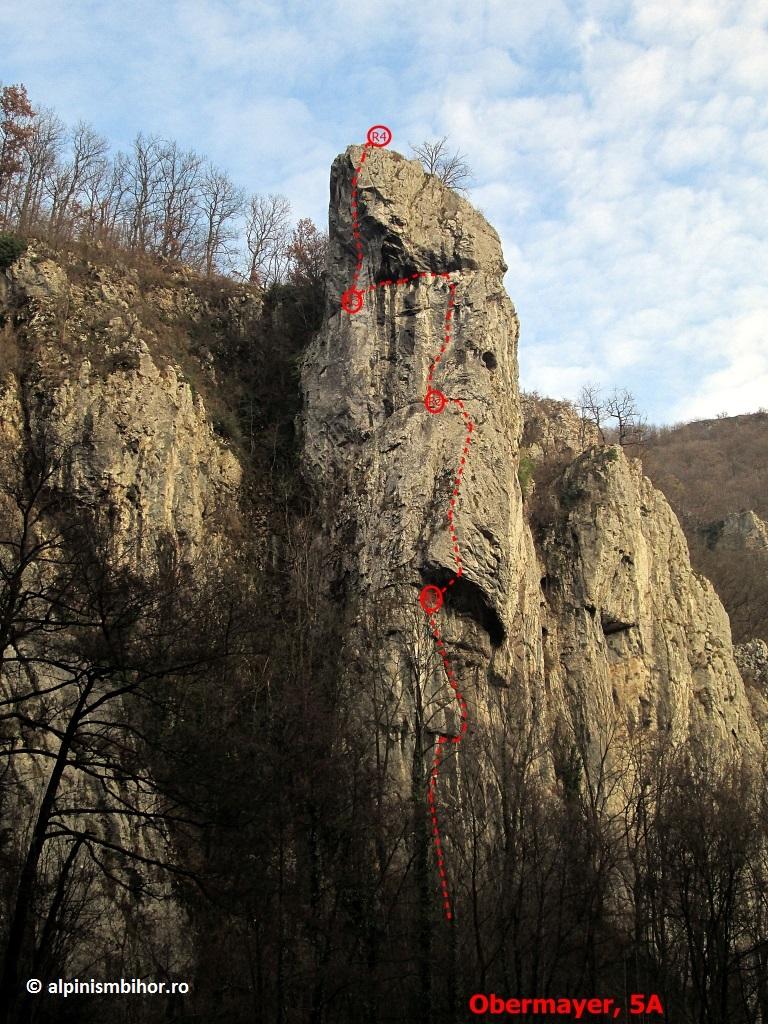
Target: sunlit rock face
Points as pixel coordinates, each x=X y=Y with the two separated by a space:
x=138 y=441
x=601 y=622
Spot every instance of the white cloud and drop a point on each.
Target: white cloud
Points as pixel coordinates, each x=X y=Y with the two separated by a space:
x=619 y=148
x=643 y=219
x=741 y=384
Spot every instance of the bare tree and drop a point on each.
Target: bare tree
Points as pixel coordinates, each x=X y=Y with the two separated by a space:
x=267 y=238
x=87 y=645
x=592 y=410
x=621 y=407
x=16 y=129
x=615 y=415
x=68 y=185
x=113 y=194
x=221 y=201
x=452 y=169
x=180 y=180
x=740 y=577
x=144 y=178
x=42 y=150
x=103 y=199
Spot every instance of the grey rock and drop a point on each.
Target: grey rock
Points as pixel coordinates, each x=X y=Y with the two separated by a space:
x=605 y=624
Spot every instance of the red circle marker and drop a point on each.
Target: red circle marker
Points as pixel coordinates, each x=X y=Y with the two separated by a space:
x=379 y=135
x=434 y=400
x=431 y=598
x=352 y=300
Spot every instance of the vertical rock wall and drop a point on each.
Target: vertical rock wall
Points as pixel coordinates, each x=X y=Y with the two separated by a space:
x=606 y=623
x=384 y=466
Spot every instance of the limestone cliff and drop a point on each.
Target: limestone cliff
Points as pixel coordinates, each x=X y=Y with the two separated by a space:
x=576 y=608
x=744 y=531
x=602 y=620
x=102 y=378
x=384 y=465
x=576 y=617
x=92 y=373
x=633 y=630
x=552 y=431
x=752 y=660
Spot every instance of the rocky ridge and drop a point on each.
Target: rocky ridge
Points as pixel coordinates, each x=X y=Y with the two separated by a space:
x=740 y=531
x=105 y=387
x=752 y=661
x=600 y=621
x=578 y=611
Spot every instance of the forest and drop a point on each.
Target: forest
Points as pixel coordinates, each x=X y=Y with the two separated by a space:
x=157 y=199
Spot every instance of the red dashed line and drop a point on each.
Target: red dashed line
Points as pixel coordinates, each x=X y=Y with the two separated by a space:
x=355 y=219
x=446 y=899
x=458 y=572
x=451 y=678
x=407 y=280
x=435 y=401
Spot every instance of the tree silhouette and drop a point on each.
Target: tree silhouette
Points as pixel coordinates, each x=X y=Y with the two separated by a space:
x=450 y=168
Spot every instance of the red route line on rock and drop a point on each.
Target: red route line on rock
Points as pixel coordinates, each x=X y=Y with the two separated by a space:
x=431 y=597
x=355 y=221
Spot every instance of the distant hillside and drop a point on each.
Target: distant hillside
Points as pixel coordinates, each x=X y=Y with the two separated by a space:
x=711 y=468
x=715 y=472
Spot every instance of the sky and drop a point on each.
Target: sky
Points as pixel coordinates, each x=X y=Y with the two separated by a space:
x=620 y=149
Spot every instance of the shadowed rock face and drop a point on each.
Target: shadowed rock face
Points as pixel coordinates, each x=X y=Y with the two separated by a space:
x=138 y=449
x=606 y=621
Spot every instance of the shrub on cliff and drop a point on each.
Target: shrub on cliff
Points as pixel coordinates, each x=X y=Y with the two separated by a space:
x=525 y=473
x=11 y=247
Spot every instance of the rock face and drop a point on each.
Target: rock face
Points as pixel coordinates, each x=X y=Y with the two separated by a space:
x=553 y=430
x=138 y=441
x=632 y=627
x=385 y=465
x=741 y=531
x=89 y=370
x=752 y=660
x=576 y=613
x=606 y=621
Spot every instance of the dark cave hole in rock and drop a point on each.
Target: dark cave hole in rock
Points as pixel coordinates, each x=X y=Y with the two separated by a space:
x=408 y=341
x=490 y=360
x=394 y=261
x=467 y=598
x=611 y=626
x=497 y=680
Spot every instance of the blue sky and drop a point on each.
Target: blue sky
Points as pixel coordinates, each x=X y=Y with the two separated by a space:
x=620 y=149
